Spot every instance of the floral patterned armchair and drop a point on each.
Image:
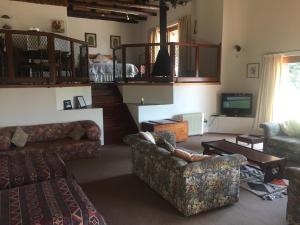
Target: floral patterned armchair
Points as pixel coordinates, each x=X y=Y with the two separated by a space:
x=293 y=207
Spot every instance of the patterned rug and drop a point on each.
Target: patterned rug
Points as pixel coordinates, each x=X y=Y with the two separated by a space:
x=252 y=180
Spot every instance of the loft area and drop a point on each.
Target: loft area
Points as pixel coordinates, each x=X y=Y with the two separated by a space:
x=30 y=57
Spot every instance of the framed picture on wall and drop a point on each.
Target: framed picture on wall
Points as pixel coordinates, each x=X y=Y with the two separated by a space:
x=115 y=41
x=253 y=70
x=91 y=39
x=58 y=26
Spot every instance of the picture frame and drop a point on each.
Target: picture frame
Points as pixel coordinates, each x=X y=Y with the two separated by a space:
x=115 y=41
x=80 y=102
x=91 y=39
x=253 y=70
x=58 y=26
x=68 y=105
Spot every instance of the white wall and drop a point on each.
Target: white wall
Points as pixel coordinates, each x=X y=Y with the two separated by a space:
x=25 y=15
x=103 y=29
x=29 y=106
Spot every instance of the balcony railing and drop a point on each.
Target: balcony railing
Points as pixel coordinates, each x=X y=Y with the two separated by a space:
x=190 y=62
x=31 y=57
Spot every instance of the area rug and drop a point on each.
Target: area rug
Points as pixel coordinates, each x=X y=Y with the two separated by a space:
x=252 y=180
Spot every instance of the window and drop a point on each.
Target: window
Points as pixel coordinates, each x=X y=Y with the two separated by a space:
x=289 y=90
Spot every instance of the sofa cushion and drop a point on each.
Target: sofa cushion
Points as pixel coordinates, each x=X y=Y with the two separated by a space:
x=19 y=138
x=190 y=157
x=4 y=143
x=66 y=148
x=77 y=133
x=163 y=143
x=58 y=201
x=148 y=137
x=21 y=168
x=291 y=128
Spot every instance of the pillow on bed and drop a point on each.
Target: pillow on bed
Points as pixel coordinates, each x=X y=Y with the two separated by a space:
x=101 y=58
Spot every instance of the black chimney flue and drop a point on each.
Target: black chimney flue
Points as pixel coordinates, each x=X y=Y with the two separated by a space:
x=162 y=65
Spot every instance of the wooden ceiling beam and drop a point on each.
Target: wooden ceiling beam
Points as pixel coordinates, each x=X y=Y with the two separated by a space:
x=123 y=10
x=47 y=2
x=117 y=3
x=99 y=16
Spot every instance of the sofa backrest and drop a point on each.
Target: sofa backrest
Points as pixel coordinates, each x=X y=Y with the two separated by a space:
x=55 y=131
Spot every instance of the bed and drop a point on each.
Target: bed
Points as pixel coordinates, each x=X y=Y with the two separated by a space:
x=101 y=69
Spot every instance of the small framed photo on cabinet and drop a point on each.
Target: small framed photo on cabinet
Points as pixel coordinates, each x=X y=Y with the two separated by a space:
x=80 y=102
x=67 y=105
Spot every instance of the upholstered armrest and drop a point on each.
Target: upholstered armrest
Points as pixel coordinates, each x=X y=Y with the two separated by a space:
x=293 y=173
x=93 y=131
x=5 y=138
x=215 y=164
x=270 y=129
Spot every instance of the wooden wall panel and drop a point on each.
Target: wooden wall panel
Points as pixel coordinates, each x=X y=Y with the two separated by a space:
x=48 y=2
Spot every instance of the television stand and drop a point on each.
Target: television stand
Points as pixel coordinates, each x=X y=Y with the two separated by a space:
x=231 y=124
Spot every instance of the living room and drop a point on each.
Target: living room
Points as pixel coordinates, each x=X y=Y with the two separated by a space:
x=137 y=182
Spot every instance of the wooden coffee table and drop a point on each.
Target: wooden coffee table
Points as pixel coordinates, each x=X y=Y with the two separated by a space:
x=272 y=166
x=250 y=139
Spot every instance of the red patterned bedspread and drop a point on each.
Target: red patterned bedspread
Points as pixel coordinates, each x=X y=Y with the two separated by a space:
x=23 y=168
x=53 y=202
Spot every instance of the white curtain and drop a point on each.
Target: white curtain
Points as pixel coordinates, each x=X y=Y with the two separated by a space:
x=267 y=103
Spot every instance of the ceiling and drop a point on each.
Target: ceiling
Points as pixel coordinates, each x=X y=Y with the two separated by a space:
x=127 y=11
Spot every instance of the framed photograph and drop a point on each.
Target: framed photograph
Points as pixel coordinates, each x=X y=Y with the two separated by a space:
x=80 y=102
x=67 y=105
x=115 y=41
x=58 y=26
x=253 y=70
x=91 y=39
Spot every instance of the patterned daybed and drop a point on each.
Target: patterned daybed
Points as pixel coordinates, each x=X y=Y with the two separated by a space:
x=35 y=188
x=55 y=138
x=58 y=201
x=190 y=187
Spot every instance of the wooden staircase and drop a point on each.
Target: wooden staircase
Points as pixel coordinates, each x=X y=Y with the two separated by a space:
x=117 y=119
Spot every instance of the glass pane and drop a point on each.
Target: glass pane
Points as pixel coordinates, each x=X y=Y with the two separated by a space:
x=30 y=56
x=135 y=62
x=80 y=60
x=3 y=57
x=63 y=57
x=208 y=62
x=186 y=61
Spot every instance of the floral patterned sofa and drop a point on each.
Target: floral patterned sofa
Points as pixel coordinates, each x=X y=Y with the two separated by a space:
x=293 y=207
x=190 y=187
x=279 y=144
x=55 y=138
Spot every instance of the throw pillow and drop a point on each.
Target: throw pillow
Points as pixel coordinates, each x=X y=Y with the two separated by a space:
x=291 y=128
x=77 y=133
x=190 y=157
x=163 y=143
x=19 y=138
x=148 y=137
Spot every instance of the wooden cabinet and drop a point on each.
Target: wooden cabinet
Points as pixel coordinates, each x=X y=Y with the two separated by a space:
x=180 y=128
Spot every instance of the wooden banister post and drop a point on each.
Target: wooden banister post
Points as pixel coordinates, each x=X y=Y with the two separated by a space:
x=148 y=63
x=114 y=66
x=172 y=61
x=51 y=58
x=124 y=64
x=10 y=56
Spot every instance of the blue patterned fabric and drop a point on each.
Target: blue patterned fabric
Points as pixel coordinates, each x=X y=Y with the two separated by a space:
x=278 y=144
x=190 y=187
x=293 y=206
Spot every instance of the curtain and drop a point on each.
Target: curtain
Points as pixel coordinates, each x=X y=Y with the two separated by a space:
x=185 y=53
x=267 y=103
x=154 y=38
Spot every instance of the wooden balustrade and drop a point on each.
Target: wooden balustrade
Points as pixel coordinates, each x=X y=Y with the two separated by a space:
x=31 y=57
x=190 y=62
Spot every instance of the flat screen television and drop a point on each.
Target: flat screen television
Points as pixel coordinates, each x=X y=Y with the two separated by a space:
x=236 y=104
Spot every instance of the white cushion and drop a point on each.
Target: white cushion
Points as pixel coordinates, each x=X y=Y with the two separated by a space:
x=148 y=137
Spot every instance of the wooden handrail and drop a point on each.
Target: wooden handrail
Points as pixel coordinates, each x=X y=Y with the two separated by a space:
x=22 y=65
x=173 y=76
